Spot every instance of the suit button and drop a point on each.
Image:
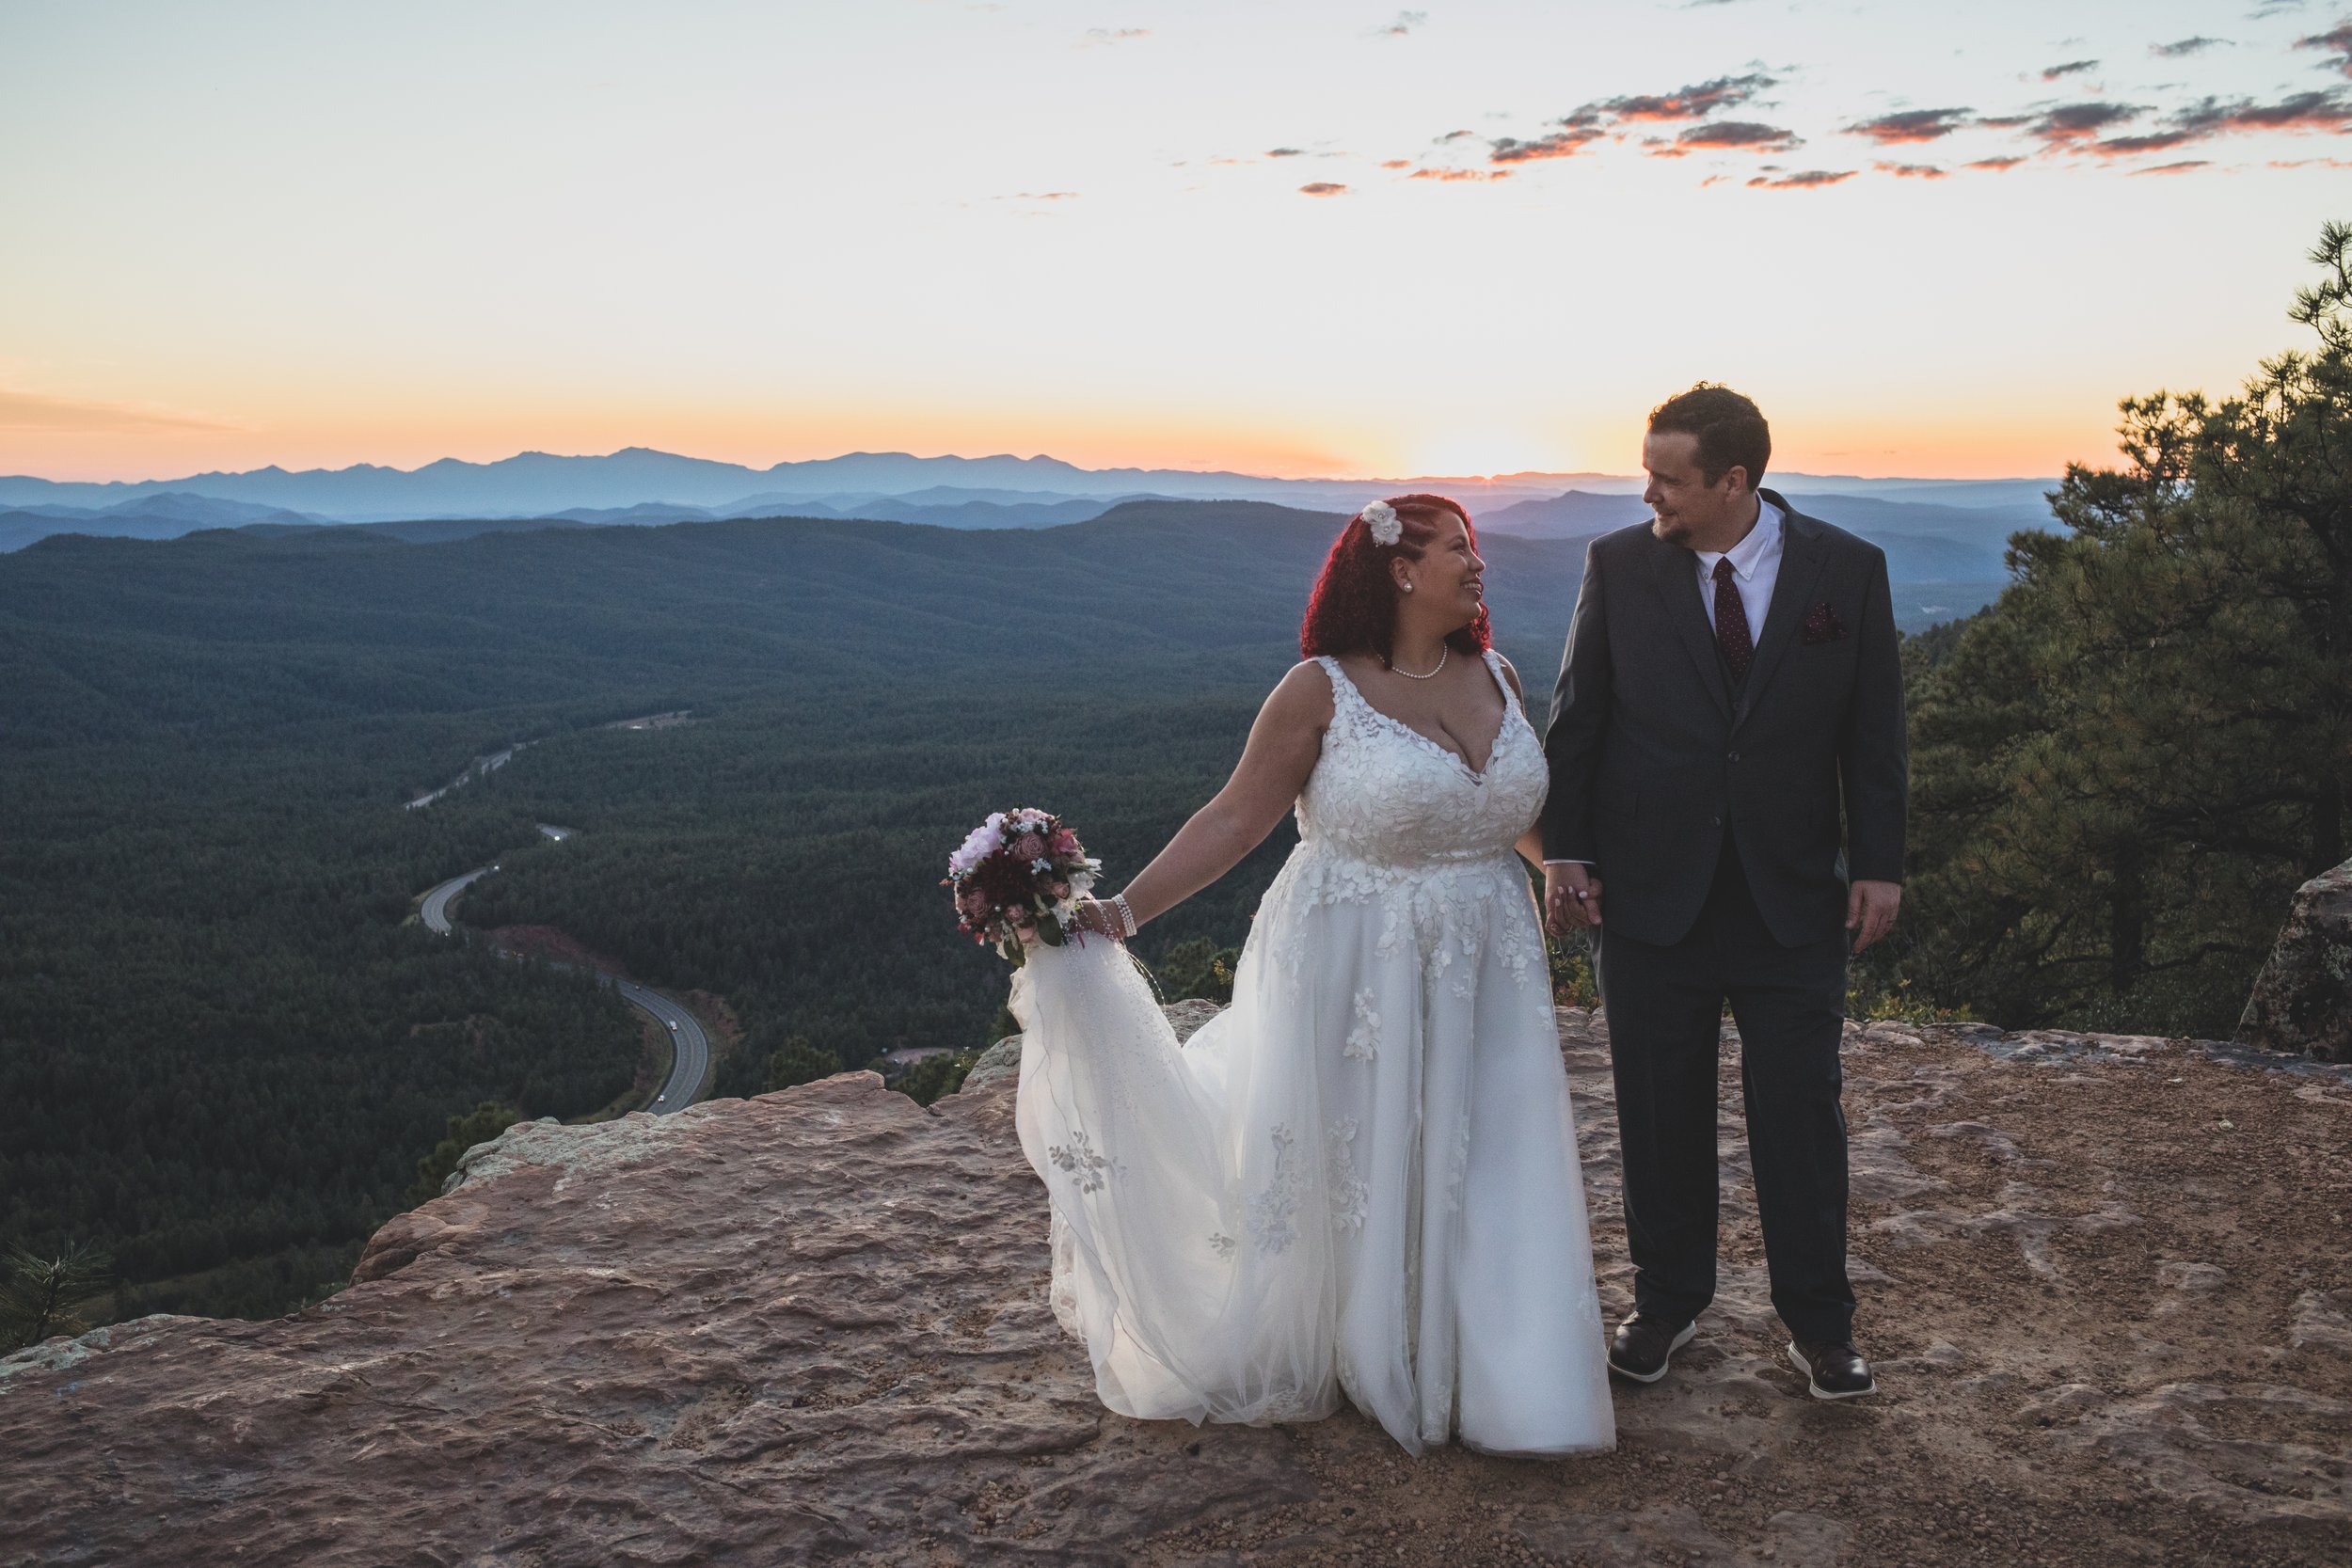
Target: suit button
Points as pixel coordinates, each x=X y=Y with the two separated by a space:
x=1734 y=756
x=1719 y=822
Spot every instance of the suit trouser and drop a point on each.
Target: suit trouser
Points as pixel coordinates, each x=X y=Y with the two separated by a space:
x=1664 y=1006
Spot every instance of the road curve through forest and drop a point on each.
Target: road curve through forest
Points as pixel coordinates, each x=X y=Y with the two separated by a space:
x=690 y=1061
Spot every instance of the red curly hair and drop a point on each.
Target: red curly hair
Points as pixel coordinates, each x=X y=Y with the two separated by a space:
x=1353 y=609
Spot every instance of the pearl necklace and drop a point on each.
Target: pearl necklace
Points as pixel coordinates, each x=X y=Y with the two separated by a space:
x=1444 y=650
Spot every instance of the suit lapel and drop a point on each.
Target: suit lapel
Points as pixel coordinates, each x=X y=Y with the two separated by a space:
x=1803 y=560
x=1679 y=585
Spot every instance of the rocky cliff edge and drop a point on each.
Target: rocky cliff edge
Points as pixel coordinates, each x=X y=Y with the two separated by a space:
x=2106 y=1281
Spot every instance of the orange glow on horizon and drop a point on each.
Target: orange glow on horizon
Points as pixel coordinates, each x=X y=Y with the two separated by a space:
x=1912 y=450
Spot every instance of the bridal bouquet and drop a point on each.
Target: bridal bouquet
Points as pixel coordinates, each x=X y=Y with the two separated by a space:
x=1018 y=878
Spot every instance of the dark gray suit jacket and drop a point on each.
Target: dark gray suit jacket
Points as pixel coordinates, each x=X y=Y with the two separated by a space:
x=1652 y=755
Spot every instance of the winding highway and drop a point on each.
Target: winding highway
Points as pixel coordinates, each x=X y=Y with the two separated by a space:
x=690 y=1062
x=479 y=768
x=437 y=903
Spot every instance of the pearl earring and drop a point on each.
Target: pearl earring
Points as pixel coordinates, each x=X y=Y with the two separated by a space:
x=1409 y=588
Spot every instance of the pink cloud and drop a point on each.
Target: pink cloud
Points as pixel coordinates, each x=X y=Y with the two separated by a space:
x=1808 y=180
x=1566 y=142
x=1723 y=92
x=2336 y=41
x=1911 y=125
x=1740 y=134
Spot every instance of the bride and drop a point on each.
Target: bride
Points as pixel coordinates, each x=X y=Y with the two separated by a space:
x=1361 y=1178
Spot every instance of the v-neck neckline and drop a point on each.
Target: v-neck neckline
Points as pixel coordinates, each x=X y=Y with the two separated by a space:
x=1478 y=774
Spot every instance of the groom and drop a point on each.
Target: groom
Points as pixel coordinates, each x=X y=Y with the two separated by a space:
x=1727 y=754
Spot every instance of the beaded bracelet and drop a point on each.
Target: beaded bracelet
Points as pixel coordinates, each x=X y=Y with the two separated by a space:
x=1126 y=915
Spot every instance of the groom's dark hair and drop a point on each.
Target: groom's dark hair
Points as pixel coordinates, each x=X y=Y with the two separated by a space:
x=1731 y=430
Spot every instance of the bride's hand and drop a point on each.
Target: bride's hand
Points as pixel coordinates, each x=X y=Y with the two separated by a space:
x=1097 y=918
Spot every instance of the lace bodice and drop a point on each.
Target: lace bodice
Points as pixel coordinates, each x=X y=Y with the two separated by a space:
x=1384 y=792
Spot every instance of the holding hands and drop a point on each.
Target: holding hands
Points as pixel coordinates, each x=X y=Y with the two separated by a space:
x=1571 y=897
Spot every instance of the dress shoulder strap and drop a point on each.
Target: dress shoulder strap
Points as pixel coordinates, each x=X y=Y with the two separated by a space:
x=1351 y=714
x=1509 y=698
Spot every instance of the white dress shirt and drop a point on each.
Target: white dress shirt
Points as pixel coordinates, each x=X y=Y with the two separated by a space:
x=1756 y=563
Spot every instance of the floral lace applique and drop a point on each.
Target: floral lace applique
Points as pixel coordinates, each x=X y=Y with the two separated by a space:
x=1517 y=953
x=1350 y=1198
x=1081 y=1160
x=1387 y=795
x=1363 y=1040
x=1273 y=1212
x=1062 y=1285
x=1220 y=1244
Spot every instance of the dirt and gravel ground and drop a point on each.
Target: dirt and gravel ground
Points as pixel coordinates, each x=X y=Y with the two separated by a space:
x=2107 y=1285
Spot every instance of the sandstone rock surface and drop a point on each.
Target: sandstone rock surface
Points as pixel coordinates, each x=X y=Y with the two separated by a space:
x=2106 y=1280
x=2302 y=999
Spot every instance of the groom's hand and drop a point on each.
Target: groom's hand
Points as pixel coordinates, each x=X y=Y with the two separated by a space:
x=1871 y=910
x=1571 y=897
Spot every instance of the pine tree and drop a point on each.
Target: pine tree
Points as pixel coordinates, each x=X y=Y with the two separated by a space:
x=37 y=1295
x=2127 y=765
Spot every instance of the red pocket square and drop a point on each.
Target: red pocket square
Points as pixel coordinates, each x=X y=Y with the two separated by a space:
x=1821 y=624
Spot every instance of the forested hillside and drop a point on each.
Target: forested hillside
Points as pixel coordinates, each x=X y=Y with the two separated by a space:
x=223 y=1044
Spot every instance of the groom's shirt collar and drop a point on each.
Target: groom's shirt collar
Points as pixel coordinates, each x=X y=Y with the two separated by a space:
x=1750 y=553
x=1756 y=560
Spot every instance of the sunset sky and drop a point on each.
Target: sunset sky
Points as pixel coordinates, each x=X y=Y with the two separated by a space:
x=1286 y=237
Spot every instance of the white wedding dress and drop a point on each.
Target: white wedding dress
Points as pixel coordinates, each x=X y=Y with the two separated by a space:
x=1363 y=1175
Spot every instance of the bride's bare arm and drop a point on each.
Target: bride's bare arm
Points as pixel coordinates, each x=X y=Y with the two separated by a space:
x=1283 y=746
x=1531 y=843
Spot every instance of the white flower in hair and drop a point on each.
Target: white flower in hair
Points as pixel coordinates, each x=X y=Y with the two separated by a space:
x=1380 y=518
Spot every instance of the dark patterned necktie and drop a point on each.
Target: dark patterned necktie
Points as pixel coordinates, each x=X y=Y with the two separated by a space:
x=1731 y=622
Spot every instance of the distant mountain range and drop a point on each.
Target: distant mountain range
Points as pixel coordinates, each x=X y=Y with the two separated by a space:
x=164 y=515
x=540 y=484
x=1944 y=538
x=1924 y=542
x=543 y=485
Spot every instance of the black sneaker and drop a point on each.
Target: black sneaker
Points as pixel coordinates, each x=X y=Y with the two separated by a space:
x=1833 y=1369
x=1643 y=1347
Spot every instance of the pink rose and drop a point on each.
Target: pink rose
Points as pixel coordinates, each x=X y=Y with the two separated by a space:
x=1030 y=848
x=1065 y=842
x=1061 y=890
